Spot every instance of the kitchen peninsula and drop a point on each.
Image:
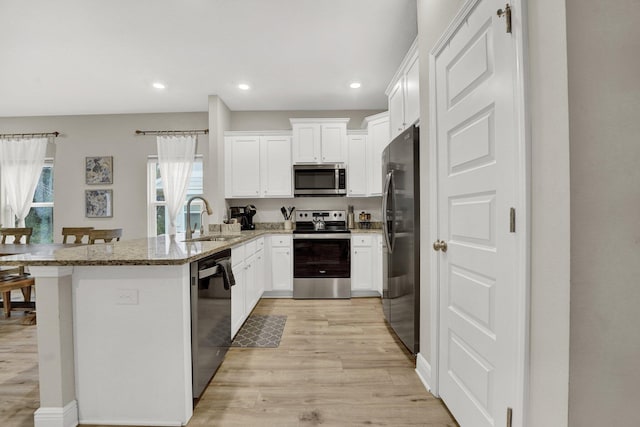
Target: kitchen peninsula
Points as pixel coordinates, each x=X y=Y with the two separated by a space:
x=114 y=343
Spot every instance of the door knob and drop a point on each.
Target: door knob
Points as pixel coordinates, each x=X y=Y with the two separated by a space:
x=440 y=245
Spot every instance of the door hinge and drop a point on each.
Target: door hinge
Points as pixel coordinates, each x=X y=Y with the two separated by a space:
x=512 y=220
x=506 y=12
x=509 y=416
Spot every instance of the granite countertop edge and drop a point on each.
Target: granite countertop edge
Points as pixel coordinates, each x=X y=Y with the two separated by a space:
x=169 y=250
x=161 y=250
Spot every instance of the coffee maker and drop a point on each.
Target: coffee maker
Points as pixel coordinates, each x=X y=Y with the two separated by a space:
x=244 y=215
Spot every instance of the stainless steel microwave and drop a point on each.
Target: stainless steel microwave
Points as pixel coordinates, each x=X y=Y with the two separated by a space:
x=319 y=180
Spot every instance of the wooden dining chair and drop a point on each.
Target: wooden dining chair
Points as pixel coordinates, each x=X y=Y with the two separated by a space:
x=105 y=235
x=78 y=233
x=17 y=234
x=15 y=278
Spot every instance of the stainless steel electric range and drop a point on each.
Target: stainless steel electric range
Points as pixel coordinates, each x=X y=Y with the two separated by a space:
x=321 y=255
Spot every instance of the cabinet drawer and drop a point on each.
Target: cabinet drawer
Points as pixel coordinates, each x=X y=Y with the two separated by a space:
x=259 y=244
x=361 y=240
x=280 y=241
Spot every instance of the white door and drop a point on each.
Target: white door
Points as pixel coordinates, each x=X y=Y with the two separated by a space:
x=334 y=142
x=281 y=268
x=275 y=166
x=244 y=166
x=396 y=109
x=306 y=143
x=237 y=298
x=378 y=139
x=361 y=268
x=412 y=93
x=477 y=140
x=357 y=176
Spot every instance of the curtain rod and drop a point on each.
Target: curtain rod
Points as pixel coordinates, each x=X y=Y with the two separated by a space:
x=173 y=132
x=24 y=135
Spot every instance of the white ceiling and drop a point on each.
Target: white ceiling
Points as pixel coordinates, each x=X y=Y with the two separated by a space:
x=97 y=57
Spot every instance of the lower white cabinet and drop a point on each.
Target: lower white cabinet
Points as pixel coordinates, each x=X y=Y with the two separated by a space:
x=364 y=264
x=247 y=262
x=281 y=263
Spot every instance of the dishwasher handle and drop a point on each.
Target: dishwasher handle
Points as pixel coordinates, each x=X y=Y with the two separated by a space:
x=208 y=272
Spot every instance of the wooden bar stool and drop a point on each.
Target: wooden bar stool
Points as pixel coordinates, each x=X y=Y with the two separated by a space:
x=15 y=278
x=106 y=235
x=78 y=233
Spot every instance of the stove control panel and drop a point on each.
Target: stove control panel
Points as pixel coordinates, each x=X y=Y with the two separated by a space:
x=310 y=215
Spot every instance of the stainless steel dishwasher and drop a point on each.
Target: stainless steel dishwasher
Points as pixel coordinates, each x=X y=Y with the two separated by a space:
x=210 y=318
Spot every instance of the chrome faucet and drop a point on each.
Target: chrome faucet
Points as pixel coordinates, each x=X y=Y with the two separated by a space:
x=188 y=234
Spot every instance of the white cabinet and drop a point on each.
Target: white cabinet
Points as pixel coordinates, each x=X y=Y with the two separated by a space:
x=242 y=166
x=319 y=140
x=275 y=166
x=247 y=264
x=258 y=165
x=238 y=296
x=281 y=263
x=377 y=140
x=404 y=93
x=357 y=165
x=364 y=266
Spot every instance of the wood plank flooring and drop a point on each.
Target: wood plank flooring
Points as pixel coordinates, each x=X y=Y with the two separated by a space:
x=337 y=365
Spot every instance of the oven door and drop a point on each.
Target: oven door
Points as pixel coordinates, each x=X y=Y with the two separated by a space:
x=322 y=265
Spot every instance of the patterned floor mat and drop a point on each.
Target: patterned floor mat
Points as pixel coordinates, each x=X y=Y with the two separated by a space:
x=261 y=331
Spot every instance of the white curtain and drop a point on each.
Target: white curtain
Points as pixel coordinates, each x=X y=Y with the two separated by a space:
x=176 y=155
x=21 y=162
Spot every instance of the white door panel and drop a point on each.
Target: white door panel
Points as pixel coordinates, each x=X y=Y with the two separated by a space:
x=476 y=186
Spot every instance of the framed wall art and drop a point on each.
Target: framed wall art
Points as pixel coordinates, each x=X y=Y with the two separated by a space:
x=99 y=170
x=98 y=203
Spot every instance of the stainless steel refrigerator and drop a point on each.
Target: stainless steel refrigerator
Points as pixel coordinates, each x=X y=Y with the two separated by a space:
x=401 y=227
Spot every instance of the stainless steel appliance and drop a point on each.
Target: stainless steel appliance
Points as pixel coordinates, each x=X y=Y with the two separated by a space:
x=244 y=215
x=401 y=224
x=321 y=255
x=210 y=318
x=319 y=180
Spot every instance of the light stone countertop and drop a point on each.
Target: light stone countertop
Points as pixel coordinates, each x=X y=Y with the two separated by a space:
x=161 y=250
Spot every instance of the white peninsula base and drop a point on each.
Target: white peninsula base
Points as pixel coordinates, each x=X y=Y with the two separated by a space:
x=116 y=340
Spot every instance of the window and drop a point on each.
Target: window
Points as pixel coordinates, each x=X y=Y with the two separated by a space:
x=157 y=218
x=40 y=216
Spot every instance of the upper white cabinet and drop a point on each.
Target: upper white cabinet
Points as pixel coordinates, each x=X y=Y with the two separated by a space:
x=319 y=140
x=357 y=166
x=404 y=93
x=275 y=166
x=378 y=138
x=258 y=164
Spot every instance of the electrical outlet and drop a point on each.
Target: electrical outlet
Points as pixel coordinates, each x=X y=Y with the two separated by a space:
x=127 y=297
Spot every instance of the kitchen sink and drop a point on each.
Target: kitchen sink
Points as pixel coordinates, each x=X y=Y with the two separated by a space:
x=213 y=239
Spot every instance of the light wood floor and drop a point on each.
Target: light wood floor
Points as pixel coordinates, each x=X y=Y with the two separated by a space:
x=337 y=365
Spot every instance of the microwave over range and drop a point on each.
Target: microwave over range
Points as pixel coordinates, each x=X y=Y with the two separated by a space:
x=320 y=180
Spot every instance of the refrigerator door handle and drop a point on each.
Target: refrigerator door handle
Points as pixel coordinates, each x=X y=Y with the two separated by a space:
x=392 y=189
x=385 y=199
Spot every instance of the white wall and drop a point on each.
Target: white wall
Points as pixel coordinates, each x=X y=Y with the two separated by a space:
x=550 y=220
x=604 y=105
x=104 y=135
x=434 y=17
x=219 y=122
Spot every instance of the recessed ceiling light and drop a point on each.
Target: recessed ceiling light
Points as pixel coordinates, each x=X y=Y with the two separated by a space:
x=159 y=85
x=244 y=86
x=355 y=85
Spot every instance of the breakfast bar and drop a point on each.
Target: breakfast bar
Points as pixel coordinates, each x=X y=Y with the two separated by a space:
x=114 y=329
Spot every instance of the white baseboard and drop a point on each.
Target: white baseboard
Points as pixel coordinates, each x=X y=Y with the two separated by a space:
x=57 y=417
x=132 y=423
x=423 y=369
